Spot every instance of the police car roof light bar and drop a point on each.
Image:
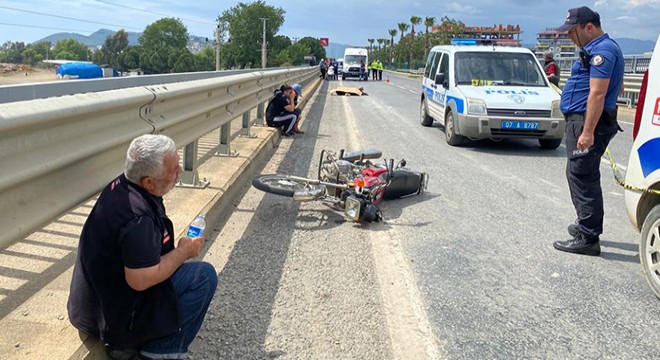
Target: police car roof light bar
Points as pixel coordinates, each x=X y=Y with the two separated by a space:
x=473 y=41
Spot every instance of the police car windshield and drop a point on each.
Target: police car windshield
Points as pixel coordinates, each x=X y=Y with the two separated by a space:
x=497 y=68
x=354 y=59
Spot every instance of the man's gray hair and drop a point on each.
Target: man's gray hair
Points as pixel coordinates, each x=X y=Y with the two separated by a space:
x=145 y=156
x=549 y=55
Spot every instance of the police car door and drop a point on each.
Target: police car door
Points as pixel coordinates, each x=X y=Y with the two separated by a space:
x=435 y=92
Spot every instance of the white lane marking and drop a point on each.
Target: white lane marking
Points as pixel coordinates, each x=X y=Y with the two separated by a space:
x=410 y=331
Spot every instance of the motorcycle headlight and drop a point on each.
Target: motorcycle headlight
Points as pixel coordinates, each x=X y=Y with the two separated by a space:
x=476 y=106
x=353 y=207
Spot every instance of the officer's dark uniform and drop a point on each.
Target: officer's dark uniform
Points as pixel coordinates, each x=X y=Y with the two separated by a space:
x=602 y=59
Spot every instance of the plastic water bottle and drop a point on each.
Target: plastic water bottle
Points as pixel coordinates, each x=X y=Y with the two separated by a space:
x=197 y=226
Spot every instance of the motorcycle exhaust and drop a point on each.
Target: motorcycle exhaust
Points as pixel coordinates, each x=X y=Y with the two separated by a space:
x=308 y=195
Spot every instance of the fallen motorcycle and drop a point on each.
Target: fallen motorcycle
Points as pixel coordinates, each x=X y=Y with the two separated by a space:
x=351 y=182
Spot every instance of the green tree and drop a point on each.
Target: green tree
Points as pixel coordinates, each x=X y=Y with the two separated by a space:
x=31 y=57
x=181 y=60
x=11 y=52
x=429 y=21
x=276 y=46
x=447 y=30
x=314 y=46
x=71 y=49
x=42 y=48
x=293 y=55
x=164 y=33
x=246 y=29
x=403 y=27
x=414 y=20
x=129 y=59
x=392 y=33
x=205 y=59
x=113 y=46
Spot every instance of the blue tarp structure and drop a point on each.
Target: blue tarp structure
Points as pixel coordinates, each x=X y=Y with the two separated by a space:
x=80 y=70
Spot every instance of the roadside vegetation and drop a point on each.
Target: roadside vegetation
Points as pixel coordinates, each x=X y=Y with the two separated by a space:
x=161 y=48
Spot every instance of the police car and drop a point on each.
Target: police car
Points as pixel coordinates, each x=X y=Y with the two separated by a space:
x=643 y=173
x=479 y=91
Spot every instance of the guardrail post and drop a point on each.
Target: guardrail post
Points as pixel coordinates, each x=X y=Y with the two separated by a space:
x=260 y=114
x=245 y=126
x=189 y=177
x=224 y=149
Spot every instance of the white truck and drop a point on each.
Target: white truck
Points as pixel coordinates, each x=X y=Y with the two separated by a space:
x=356 y=61
x=642 y=194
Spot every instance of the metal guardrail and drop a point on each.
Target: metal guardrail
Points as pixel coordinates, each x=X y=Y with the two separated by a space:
x=632 y=84
x=59 y=151
x=632 y=64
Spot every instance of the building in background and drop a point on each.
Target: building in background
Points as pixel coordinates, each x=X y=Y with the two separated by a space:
x=559 y=43
x=508 y=35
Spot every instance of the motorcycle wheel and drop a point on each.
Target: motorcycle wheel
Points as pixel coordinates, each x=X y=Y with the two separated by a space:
x=281 y=184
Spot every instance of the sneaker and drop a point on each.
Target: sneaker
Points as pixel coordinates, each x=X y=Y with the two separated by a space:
x=297 y=131
x=579 y=244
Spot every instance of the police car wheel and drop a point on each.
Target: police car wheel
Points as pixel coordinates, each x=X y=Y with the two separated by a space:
x=549 y=144
x=649 y=251
x=451 y=137
x=426 y=120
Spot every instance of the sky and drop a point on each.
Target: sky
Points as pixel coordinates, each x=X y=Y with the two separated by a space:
x=637 y=19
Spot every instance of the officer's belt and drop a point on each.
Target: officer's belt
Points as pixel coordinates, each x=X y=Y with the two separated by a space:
x=608 y=117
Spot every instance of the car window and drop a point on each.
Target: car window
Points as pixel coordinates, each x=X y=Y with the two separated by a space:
x=497 y=68
x=444 y=66
x=434 y=65
x=429 y=63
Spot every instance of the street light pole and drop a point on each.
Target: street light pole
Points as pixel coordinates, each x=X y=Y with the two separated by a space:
x=263 y=44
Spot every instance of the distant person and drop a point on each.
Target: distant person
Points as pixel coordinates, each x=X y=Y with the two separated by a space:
x=374 y=70
x=335 y=66
x=131 y=287
x=363 y=71
x=551 y=68
x=588 y=101
x=281 y=111
x=380 y=69
x=323 y=68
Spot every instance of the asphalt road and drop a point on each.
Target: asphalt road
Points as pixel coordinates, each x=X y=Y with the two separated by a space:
x=464 y=271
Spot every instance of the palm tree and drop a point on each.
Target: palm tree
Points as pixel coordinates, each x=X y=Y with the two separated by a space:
x=403 y=27
x=371 y=44
x=414 y=20
x=429 y=21
x=380 y=42
x=392 y=33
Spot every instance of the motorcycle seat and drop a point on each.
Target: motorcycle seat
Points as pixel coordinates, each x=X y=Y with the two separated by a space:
x=353 y=156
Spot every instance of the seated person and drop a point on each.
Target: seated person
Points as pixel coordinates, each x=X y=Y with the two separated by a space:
x=281 y=111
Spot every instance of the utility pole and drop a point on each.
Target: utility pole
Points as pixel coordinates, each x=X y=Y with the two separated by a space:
x=263 y=45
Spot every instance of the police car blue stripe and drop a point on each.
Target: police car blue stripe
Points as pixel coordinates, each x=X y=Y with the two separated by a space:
x=460 y=104
x=648 y=156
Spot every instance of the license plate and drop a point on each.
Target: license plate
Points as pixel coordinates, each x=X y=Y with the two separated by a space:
x=520 y=125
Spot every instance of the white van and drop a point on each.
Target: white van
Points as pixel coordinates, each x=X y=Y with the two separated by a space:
x=351 y=67
x=643 y=172
x=481 y=91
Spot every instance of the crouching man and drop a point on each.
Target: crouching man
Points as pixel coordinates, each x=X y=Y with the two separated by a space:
x=131 y=286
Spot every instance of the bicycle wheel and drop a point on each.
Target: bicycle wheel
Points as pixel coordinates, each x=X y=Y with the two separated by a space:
x=282 y=185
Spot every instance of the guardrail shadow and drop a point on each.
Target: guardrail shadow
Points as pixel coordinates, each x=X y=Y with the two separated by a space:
x=238 y=319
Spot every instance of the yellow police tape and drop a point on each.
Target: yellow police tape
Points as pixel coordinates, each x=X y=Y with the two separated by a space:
x=619 y=179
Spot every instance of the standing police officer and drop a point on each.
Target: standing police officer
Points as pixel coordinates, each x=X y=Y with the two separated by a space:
x=588 y=101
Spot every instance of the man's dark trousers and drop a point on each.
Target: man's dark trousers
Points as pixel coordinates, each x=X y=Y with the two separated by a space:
x=583 y=171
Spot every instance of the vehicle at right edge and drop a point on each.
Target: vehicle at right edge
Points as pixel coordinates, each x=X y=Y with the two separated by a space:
x=642 y=189
x=481 y=91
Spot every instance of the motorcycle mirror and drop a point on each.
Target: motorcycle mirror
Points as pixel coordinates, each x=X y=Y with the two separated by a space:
x=390 y=168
